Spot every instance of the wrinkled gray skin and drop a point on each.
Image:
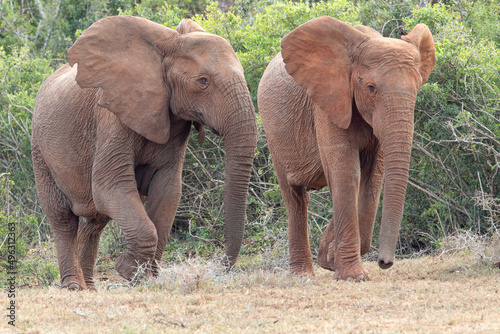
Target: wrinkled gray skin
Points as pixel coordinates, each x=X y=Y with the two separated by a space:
x=104 y=143
x=337 y=108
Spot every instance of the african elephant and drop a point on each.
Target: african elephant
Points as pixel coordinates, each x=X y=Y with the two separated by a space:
x=337 y=108
x=110 y=129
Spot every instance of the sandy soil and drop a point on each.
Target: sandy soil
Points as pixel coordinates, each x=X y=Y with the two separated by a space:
x=446 y=294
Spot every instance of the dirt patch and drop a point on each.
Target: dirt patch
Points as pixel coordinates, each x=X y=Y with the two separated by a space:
x=442 y=294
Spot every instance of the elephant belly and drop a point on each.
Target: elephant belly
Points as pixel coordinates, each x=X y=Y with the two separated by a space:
x=318 y=183
x=143 y=176
x=309 y=175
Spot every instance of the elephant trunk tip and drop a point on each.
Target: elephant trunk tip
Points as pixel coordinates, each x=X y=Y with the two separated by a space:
x=385 y=263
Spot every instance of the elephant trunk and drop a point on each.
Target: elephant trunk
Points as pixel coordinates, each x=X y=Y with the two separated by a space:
x=396 y=140
x=240 y=140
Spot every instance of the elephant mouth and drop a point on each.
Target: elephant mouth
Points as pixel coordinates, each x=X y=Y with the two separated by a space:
x=214 y=131
x=202 y=122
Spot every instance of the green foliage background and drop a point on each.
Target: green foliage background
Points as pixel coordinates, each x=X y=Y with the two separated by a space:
x=454 y=182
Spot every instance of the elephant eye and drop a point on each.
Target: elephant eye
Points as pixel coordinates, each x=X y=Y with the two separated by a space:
x=371 y=88
x=203 y=81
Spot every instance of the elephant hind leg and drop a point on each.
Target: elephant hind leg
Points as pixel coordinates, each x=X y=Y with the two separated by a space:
x=64 y=225
x=296 y=200
x=89 y=233
x=65 y=229
x=324 y=253
x=63 y=222
x=163 y=200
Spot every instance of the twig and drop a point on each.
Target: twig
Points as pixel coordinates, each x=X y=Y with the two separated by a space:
x=412 y=181
x=197 y=237
x=51 y=27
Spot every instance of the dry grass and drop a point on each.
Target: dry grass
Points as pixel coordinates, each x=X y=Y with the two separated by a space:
x=451 y=292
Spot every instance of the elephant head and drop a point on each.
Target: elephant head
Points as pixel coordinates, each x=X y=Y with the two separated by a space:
x=348 y=69
x=151 y=75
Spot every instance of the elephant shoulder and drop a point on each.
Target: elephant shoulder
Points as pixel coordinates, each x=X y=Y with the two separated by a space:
x=61 y=82
x=277 y=83
x=276 y=71
x=64 y=74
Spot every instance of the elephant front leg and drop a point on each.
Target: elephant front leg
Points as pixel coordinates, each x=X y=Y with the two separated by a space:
x=141 y=237
x=372 y=177
x=123 y=204
x=340 y=243
x=115 y=194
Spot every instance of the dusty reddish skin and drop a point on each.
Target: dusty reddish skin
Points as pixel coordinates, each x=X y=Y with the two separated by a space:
x=337 y=108
x=117 y=136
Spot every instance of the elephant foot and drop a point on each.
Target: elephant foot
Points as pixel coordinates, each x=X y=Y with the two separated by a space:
x=351 y=273
x=90 y=285
x=306 y=269
x=73 y=283
x=347 y=264
x=92 y=288
x=130 y=268
x=348 y=275
x=155 y=268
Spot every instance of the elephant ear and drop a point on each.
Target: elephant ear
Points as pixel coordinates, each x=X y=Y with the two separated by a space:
x=317 y=54
x=421 y=37
x=186 y=26
x=123 y=56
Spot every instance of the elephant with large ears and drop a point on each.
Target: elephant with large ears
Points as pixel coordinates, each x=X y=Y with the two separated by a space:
x=110 y=130
x=337 y=108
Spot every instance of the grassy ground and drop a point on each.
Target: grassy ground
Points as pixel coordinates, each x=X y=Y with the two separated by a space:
x=446 y=293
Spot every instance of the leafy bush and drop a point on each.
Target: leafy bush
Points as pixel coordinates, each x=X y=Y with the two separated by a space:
x=386 y=16
x=456 y=147
x=454 y=181
x=156 y=11
x=257 y=42
x=18 y=231
x=21 y=76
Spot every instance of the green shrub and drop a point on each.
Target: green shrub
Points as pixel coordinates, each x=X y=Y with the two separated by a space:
x=19 y=232
x=156 y=11
x=386 y=16
x=456 y=150
x=22 y=76
x=455 y=161
x=258 y=42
